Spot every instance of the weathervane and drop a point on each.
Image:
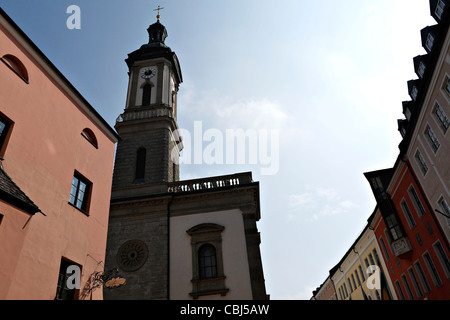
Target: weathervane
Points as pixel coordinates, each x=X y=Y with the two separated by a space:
x=158 y=9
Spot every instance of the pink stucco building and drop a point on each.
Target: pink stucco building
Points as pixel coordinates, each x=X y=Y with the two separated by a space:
x=56 y=169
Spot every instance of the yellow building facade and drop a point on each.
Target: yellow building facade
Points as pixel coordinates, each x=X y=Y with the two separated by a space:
x=361 y=274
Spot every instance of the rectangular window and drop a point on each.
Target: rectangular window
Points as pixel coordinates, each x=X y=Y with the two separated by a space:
x=441 y=118
x=443 y=259
x=421 y=162
x=440 y=9
x=5 y=125
x=372 y=262
x=62 y=291
x=422 y=277
x=415 y=282
x=408 y=214
x=362 y=273
x=414 y=93
x=377 y=258
x=432 y=139
x=350 y=285
x=430 y=41
x=80 y=192
x=445 y=209
x=447 y=85
x=421 y=69
x=399 y=290
x=432 y=269
x=357 y=278
x=384 y=248
x=416 y=201
x=394 y=227
x=419 y=239
x=407 y=287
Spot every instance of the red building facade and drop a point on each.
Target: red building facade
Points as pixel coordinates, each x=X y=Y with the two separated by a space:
x=412 y=218
x=412 y=242
x=412 y=224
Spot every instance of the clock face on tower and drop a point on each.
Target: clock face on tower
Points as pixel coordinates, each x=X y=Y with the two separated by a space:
x=148 y=73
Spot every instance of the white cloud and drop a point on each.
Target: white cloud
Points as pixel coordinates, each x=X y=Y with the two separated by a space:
x=253 y=113
x=301 y=199
x=224 y=112
x=318 y=203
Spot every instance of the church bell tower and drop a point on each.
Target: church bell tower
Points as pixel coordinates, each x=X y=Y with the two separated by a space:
x=172 y=239
x=148 y=152
x=146 y=162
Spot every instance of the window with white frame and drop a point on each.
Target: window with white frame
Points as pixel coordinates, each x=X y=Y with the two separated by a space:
x=408 y=214
x=430 y=41
x=421 y=69
x=80 y=192
x=407 y=287
x=432 y=139
x=445 y=209
x=443 y=258
x=440 y=9
x=399 y=290
x=432 y=269
x=383 y=246
x=421 y=162
x=446 y=85
x=415 y=283
x=414 y=92
x=416 y=201
x=422 y=277
x=441 y=118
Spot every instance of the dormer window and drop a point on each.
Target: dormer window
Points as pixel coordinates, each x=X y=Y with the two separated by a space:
x=413 y=89
x=421 y=69
x=429 y=42
x=414 y=92
x=439 y=9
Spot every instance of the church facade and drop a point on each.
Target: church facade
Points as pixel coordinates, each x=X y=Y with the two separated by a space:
x=172 y=239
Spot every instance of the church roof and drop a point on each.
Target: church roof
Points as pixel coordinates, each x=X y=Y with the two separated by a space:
x=155 y=48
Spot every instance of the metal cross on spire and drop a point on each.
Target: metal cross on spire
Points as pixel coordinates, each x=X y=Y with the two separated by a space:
x=158 y=9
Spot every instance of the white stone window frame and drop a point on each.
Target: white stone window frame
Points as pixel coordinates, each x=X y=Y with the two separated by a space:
x=207 y=233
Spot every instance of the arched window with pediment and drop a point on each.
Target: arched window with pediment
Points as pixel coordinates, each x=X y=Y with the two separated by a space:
x=208 y=276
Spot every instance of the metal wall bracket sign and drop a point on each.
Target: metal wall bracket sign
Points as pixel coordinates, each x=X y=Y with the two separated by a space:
x=112 y=279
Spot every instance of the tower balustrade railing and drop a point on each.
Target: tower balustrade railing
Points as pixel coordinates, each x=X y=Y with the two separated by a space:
x=210 y=183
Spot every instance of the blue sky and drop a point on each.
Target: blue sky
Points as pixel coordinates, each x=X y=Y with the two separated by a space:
x=328 y=75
